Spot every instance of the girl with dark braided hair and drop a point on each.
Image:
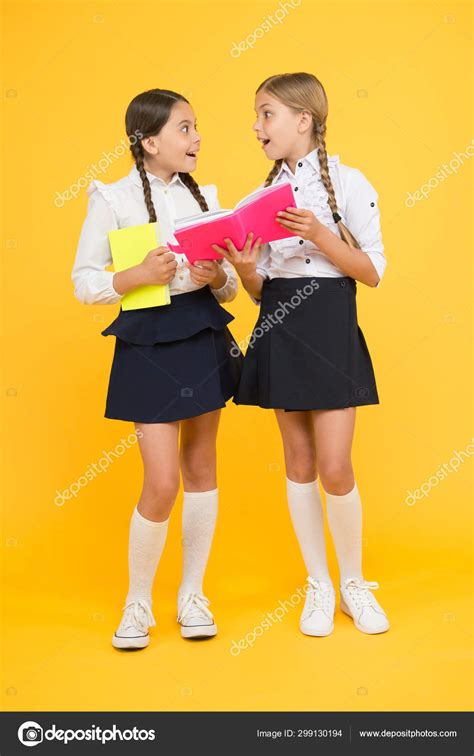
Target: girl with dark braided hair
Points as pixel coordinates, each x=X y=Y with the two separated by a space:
x=310 y=362
x=175 y=366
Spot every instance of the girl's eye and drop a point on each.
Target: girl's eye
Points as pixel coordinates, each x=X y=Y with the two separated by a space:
x=266 y=112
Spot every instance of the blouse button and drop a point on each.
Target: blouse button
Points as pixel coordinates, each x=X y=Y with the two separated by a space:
x=301 y=241
x=300 y=165
x=308 y=260
x=372 y=204
x=296 y=188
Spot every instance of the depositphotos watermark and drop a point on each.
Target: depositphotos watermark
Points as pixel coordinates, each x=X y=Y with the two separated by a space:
x=96 y=468
x=444 y=170
x=441 y=474
x=97 y=169
x=278 y=315
x=32 y=734
x=270 y=619
x=271 y=21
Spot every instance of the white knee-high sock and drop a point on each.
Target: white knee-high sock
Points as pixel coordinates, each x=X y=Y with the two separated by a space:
x=304 y=501
x=146 y=542
x=345 y=523
x=199 y=521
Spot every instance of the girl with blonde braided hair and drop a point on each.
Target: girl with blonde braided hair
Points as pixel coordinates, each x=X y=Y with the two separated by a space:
x=174 y=366
x=307 y=357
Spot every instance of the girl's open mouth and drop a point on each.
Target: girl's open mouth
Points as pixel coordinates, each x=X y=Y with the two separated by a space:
x=191 y=154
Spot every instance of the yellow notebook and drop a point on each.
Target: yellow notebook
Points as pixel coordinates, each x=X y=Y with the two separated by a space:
x=129 y=247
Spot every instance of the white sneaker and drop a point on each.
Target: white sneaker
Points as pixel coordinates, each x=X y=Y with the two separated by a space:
x=358 y=602
x=133 y=629
x=317 y=617
x=195 y=618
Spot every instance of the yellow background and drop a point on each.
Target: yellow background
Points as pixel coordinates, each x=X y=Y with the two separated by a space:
x=398 y=81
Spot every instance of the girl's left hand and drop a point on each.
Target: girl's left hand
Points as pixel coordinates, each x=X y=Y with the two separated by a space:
x=302 y=222
x=204 y=271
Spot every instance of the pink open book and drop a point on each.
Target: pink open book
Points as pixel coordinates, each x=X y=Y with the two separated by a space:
x=255 y=213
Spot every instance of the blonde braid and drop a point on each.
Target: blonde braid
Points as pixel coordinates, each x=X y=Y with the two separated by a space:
x=319 y=131
x=276 y=167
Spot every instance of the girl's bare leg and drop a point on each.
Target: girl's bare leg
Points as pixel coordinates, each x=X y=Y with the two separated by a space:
x=158 y=444
x=197 y=451
x=333 y=434
x=297 y=433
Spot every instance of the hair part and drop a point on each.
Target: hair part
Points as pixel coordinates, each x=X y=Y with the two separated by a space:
x=304 y=92
x=146 y=115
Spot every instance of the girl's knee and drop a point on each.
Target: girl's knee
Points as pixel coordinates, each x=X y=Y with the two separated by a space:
x=300 y=465
x=198 y=471
x=158 y=496
x=336 y=477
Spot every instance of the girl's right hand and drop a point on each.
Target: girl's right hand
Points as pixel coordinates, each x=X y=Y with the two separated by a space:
x=244 y=260
x=159 y=266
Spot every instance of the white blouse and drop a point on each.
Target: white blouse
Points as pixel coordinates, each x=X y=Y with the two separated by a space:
x=356 y=204
x=122 y=204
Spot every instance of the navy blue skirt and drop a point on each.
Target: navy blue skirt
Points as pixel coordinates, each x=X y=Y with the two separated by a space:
x=307 y=351
x=172 y=362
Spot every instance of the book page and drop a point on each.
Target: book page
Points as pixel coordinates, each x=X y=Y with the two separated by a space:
x=257 y=193
x=196 y=220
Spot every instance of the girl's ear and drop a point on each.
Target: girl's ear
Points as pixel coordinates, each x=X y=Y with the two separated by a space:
x=150 y=145
x=306 y=121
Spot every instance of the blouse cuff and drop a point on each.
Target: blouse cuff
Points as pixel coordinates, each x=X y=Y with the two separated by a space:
x=226 y=292
x=98 y=289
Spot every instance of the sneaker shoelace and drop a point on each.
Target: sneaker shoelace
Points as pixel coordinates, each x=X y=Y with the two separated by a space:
x=194 y=606
x=319 y=596
x=359 y=591
x=138 y=614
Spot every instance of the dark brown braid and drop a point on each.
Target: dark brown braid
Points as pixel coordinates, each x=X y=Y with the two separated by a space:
x=193 y=187
x=304 y=92
x=137 y=152
x=146 y=115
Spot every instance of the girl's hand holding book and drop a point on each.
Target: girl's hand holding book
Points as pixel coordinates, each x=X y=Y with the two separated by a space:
x=244 y=260
x=204 y=272
x=301 y=222
x=159 y=266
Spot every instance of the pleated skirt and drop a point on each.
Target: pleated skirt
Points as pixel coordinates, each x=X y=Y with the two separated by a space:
x=307 y=351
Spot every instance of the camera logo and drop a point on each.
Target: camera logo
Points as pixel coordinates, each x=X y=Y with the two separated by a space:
x=30 y=733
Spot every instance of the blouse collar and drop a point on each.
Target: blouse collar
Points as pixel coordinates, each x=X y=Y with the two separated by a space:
x=135 y=177
x=310 y=159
